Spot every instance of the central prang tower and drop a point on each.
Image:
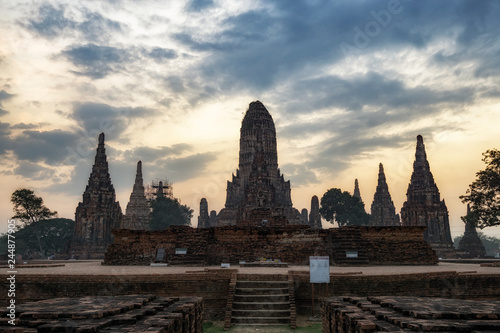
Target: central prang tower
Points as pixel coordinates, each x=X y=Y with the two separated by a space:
x=258 y=193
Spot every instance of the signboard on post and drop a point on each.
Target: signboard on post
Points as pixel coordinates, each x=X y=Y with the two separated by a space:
x=319 y=269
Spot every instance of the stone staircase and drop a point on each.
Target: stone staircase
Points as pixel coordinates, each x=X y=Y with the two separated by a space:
x=261 y=300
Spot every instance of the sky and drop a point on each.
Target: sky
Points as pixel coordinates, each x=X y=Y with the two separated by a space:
x=349 y=84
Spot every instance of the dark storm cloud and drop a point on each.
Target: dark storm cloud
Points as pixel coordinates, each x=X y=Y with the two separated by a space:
x=47 y=146
x=151 y=155
x=371 y=90
x=183 y=168
x=34 y=171
x=263 y=47
x=95 y=118
x=96 y=61
x=51 y=22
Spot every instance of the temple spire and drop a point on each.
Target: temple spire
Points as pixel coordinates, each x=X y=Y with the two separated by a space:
x=470 y=243
x=423 y=206
x=137 y=212
x=98 y=213
x=356 y=192
x=383 y=212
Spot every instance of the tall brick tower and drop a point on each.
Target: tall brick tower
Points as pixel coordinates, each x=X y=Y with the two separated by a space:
x=424 y=206
x=98 y=213
x=383 y=212
x=258 y=193
x=137 y=212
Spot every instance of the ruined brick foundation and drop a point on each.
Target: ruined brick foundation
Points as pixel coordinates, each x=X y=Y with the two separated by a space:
x=290 y=244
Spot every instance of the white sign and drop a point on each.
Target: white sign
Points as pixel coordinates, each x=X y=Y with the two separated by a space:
x=181 y=251
x=319 y=269
x=223 y=265
x=351 y=254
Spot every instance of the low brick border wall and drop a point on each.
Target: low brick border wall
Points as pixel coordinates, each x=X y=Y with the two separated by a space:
x=213 y=287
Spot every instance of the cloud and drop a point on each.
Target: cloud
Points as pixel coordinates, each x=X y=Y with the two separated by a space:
x=34 y=171
x=149 y=155
x=159 y=54
x=46 y=146
x=3 y=112
x=199 y=5
x=24 y=126
x=299 y=174
x=183 y=168
x=95 y=118
x=96 y=61
x=370 y=91
x=4 y=96
x=4 y=137
x=52 y=22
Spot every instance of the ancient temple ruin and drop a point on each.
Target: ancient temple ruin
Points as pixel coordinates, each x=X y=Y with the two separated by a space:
x=383 y=212
x=98 y=213
x=258 y=194
x=203 y=218
x=471 y=244
x=424 y=207
x=314 y=217
x=356 y=192
x=137 y=212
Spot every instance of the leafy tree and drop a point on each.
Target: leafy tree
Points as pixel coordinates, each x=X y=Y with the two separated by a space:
x=483 y=194
x=55 y=235
x=343 y=208
x=490 y=243
x=30 y=209
x=168 y=211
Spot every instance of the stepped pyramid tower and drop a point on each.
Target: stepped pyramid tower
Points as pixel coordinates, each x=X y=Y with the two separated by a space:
x=137 y=212
x=383 y=212
x=470 y=242
x=98 y=213
x=258 y=194
x=424 y=207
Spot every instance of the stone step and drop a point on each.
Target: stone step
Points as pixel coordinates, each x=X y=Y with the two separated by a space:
x=262 y=284
x=261 y=305
x=261 y=313
x=261 y=291
x=261 y=320
x=261 y=298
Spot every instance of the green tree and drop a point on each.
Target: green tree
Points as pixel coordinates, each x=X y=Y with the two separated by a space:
x=169 y=211
x=343 y=208
x=483 y=194
x=55 y=235
x=30 y=209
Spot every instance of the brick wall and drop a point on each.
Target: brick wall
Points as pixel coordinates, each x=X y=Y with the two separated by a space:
x=213 y=286
x=291 y=244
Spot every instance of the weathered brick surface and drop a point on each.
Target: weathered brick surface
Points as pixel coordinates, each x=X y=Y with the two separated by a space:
x=408 y=314
x=213 y=285
x=110 y=314
x=290 y=244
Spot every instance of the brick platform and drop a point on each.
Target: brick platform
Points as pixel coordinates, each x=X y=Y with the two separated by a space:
x=110 y=314
x=291 y=244
x=408 y=314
